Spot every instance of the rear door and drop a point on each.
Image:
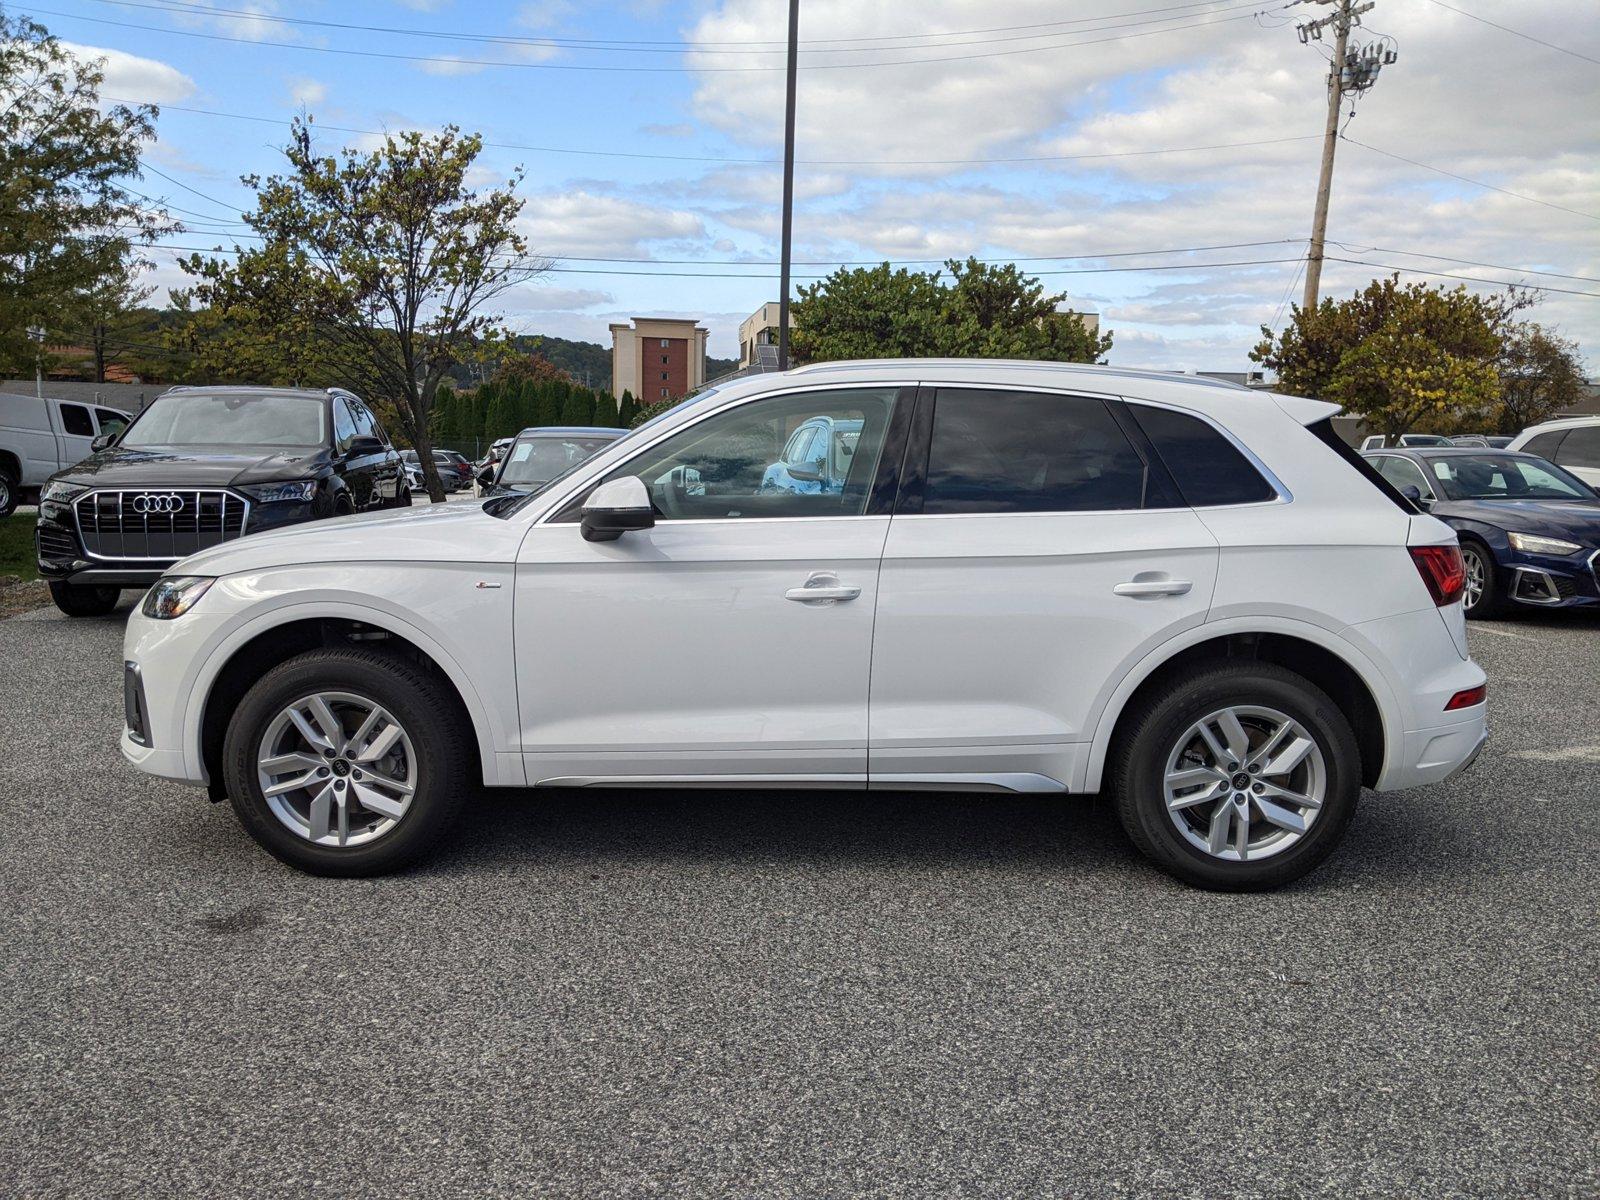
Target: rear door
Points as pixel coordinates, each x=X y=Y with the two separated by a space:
x=76 y=431
x=1036 y=553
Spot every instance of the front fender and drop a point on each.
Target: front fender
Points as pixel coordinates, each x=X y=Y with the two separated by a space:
x=431 y=614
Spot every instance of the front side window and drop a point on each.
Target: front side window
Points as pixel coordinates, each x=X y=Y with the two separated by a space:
x=732 y=465
x=1006 y=452
x=1208 y=469
x=230 y=419
x=1404 y=473
x=344 y=425
x=1502 y=477
x=111 y=421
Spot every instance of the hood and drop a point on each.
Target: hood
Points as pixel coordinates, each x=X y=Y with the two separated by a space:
x=1574 y=520
x=189 y=466
x=429 y=533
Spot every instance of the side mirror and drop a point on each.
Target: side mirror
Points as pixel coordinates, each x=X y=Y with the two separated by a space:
x=614 y=508
x=810 y=473
x=361 y=446
x=1414 y=494
x=104 y=441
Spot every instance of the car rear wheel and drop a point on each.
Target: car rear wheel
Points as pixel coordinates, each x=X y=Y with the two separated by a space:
x=8 y=492
x=77 y=600
x=347 y=762
x=1483 y=596
x=1237 y=776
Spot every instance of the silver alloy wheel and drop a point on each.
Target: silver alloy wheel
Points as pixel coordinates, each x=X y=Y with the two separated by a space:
x=1245 y=783
x=337 y=769
x=1476 y=573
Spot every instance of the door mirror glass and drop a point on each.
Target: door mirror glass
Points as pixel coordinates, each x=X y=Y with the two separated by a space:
x=809 y=472
x=615 y=507
x=102 y=442
x=364 y=444
x=1413 y=493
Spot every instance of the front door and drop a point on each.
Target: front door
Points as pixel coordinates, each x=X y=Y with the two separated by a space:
x=692 y=650
x=1034 y=558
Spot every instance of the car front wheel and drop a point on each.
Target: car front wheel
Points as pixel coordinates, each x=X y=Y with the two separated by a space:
x=76 y=600
x=1482 y=596
x=1237 y=776
x=347 y=762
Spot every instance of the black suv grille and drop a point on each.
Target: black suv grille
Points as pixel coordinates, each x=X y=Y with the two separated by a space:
x=55 y=544
x=158 y=524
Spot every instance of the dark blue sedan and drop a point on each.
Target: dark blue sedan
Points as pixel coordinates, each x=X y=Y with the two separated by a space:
x=1530 y=531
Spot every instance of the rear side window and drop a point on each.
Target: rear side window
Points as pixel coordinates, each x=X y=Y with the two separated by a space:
x=1581 y=447
x=1208 y=468
x=75 y=420
x=1006 y=452
x=1545 y=445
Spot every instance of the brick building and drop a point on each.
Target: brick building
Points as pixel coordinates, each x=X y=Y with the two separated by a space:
x=657 y=358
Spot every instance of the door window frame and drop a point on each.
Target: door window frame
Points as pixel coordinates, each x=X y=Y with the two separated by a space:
x=881 y=496
x=1429 y=492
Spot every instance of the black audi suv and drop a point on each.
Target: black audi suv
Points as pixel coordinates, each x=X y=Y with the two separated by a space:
x=203 y=465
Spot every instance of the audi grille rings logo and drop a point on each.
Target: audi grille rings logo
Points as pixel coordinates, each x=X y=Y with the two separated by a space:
x=168 y=502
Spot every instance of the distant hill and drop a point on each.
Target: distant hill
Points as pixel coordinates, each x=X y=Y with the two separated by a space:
x=587 y=362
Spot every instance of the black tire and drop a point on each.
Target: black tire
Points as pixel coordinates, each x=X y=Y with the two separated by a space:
x=1492 y=600
x=403 y=500
x=76 y=600
x=420 y=702
x=1151 y=732
x=10 y=493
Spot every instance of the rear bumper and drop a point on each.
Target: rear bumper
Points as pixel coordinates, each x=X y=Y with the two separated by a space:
x=1437 y=754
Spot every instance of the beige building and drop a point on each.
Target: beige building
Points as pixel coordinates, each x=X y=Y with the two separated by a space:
x=760 y=328
x=657 y=358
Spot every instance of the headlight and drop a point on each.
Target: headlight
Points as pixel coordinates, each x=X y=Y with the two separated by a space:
x=265 y=493
x=1532 y=543
x=174 y=596
x=59 y=490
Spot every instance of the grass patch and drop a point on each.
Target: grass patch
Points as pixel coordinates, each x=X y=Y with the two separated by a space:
x=16 y=546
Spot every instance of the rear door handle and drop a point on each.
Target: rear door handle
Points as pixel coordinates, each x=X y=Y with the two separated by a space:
x=822 y=588
x=1154 y=587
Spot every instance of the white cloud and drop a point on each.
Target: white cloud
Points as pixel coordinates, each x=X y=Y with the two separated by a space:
x=306 y=92
x=587 y=224
x=541 y=298
x=130 y=77
x=246 y=19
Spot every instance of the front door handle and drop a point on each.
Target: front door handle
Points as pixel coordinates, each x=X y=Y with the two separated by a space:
x=1154 y=587
x=822 y=588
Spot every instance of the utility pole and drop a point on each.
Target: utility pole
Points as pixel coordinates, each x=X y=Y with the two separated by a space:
x=1350 y=72
x=788 y=188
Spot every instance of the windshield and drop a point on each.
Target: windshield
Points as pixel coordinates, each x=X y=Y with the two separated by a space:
x=230 y=419
x=1504 y=477
x=539 y=460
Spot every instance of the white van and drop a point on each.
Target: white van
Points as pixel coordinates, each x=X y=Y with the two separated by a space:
x=40 y=436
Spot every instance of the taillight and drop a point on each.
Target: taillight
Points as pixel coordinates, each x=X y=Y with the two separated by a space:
x=1470 y=698
x=1442 y=570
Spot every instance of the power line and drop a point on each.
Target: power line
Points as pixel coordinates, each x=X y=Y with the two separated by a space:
x=1466 y=262
x=1535 y=287
x=814 y=162
x=1210 y=7
x=551 y=66
x=1475 y=182
x=609 y=43
x=1515 y=32
x=144 y=166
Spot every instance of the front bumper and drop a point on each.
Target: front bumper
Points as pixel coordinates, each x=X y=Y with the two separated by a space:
x=1551 y=581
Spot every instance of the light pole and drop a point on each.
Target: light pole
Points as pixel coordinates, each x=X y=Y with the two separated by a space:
x=788 y=188
x=36 y=334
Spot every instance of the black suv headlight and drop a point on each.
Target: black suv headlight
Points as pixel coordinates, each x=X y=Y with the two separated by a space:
x=266 y=493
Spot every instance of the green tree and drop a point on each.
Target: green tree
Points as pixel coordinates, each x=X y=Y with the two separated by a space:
x=67 y=220
x=1397 y=356
x=1540 y=373
x=605 y=408
x=501 y=419
x=106 y=314
x=444 y=414
x=395 y=259
x=575 y=409
x=649 y=411
x=627 y=409
x=486 y=398
x=985 y=311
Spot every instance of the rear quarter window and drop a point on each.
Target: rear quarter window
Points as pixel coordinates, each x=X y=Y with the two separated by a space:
x=1208 y=469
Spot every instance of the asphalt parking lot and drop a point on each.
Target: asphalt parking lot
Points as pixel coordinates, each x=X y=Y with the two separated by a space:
x=622 y=994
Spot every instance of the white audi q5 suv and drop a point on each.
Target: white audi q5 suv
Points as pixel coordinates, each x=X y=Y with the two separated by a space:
x=979 y=575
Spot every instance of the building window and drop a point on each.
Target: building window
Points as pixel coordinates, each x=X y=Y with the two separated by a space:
x=663 y=392
x=663 y=376
x=664 y=343
x=663 y=360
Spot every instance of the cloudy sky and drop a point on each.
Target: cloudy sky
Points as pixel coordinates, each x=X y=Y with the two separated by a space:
x=1155 y=160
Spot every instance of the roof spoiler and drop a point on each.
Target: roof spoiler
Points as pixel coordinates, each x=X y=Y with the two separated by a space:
x=1307 y=412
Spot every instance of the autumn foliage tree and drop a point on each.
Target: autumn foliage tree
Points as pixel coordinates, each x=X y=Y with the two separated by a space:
x=385 y=260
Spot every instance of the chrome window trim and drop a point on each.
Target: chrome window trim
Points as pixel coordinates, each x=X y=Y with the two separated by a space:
x=77 y=520
x=1284 y=496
